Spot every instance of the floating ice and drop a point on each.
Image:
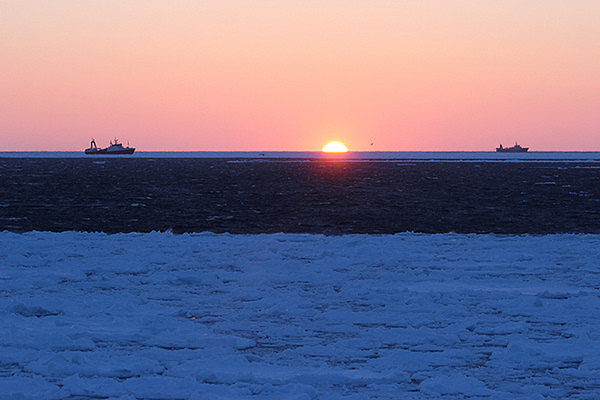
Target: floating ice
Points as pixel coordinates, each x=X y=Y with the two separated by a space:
x=163 y=316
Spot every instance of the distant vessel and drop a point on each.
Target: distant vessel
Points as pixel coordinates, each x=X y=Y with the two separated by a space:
x=114 y=148
x=515 y=149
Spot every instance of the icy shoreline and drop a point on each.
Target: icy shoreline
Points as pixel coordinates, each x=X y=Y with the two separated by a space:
x=163 y=316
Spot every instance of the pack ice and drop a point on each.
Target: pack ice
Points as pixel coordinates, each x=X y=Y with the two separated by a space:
x=283 y=316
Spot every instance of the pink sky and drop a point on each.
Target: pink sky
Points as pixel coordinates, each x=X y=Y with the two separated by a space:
x=294 y=75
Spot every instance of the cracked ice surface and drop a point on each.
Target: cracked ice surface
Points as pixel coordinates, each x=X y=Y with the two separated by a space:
x=161 y=316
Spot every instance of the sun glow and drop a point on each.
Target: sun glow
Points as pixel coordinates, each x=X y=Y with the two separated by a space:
x=335 y=147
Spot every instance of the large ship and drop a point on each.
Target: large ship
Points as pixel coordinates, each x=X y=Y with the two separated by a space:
x=515 y=149
x=114 y=148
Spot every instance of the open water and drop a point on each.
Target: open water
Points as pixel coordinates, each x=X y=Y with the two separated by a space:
x=291 y=195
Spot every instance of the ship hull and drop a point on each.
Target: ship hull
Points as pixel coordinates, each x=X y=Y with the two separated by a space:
x=104 y=152
x=510 y=150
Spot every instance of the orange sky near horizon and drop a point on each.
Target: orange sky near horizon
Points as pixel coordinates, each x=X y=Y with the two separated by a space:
x=295 y=75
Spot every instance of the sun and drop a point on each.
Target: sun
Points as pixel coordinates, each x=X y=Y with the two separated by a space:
x=335 y=147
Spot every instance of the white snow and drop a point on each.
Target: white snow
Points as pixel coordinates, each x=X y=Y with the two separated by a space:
x=206 y=316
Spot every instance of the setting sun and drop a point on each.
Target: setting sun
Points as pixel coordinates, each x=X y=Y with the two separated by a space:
x=335 y=147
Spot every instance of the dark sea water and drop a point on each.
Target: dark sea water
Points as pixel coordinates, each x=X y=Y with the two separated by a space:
x=298 y=196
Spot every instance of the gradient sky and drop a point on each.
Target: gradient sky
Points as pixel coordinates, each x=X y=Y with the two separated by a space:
x=281 y=75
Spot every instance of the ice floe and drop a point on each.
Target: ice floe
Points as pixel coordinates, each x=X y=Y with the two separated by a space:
x=207 y=316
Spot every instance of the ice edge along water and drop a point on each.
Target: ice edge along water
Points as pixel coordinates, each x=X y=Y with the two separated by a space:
x=476 y=156
x=196 y=316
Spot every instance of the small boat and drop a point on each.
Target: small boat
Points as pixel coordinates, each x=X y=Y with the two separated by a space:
x=515 y=149
x=114 y=148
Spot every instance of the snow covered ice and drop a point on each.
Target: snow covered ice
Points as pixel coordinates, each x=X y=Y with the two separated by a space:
x=285 y=316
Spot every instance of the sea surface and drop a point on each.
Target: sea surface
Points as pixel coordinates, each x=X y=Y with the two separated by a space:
x=250 y=193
